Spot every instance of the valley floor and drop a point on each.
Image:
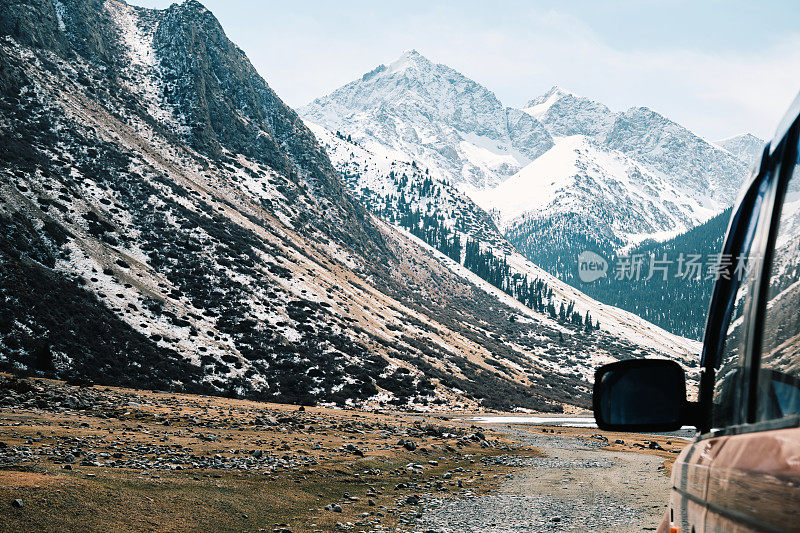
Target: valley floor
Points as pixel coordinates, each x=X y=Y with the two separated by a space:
x=582 y=484
x=109 y=459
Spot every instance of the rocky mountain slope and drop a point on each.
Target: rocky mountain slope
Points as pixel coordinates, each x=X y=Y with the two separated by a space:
x=168 y=222
x=604 y=181
x=746 y=147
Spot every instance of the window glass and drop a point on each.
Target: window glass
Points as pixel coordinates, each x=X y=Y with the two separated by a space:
x=779 y=374
x=730 y=385
x=730 y=401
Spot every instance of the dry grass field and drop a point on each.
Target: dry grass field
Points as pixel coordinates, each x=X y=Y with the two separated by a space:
x=110 y=459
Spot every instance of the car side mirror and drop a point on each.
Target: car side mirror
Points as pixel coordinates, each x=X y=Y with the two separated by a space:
x=640 y=395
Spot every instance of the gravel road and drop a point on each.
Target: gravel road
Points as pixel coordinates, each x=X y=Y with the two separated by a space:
x=577 y=487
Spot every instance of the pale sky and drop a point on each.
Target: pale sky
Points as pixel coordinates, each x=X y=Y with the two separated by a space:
x=718 y=67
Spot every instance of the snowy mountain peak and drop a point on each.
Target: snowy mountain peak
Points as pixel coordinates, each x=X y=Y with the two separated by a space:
x=542 y=103
x=410 y=81
x=412 y=55
x=432 y=114
x=746 y=147
x=564 y=113
x=557 y=89
x=409 y=60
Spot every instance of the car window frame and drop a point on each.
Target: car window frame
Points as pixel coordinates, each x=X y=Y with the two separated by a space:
x=771 y=187
x=787 y=155
x=739 y=236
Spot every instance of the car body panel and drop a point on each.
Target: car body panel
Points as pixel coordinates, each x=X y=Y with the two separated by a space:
x=737 y=483
x=690 y=484
x=744 y=476
x=754 y=481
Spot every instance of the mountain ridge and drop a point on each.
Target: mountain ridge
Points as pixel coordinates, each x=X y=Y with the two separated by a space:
x=409 y=106
x=609 y=180
x=153 y=185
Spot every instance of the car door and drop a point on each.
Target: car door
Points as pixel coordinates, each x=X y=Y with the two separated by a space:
x=726 y=361
x=723 y=390
x=753 y=481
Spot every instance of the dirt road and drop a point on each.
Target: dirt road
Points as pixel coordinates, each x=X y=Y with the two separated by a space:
x=578 y=487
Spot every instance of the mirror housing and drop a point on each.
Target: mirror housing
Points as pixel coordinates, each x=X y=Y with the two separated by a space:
x=640 y=395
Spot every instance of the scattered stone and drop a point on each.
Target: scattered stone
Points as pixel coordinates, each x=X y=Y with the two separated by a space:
x=412 y=500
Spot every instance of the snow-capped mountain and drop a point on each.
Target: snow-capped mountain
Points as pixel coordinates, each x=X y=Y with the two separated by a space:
x=665 y=147
x=603 y=180
x=612 y=180
x=436 y=213
x=745 y=147
x=566 y=114
x=680 y=177
x=630 y=176
x=415 y=110
x=684 y=158
x=616 y=196
x=167 y=222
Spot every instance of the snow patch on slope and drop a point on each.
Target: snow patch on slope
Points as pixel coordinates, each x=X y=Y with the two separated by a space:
x=578 y=176
x=144 y=71
x=60 y=13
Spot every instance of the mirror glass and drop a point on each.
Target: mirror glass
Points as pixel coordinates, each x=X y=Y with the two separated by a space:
x=642 y=394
